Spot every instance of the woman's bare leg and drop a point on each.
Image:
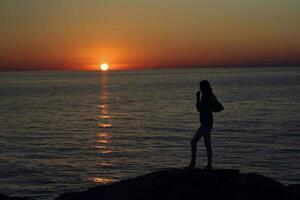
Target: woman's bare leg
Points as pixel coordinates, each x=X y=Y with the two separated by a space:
x=199 y=133
x=207 y=143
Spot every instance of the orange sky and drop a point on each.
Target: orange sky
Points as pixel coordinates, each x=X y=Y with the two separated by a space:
x=75 y=34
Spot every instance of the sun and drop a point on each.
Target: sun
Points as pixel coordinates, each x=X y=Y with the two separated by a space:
x=104 y=66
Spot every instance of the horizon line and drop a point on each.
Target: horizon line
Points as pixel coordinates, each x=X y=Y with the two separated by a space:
x=151 y=68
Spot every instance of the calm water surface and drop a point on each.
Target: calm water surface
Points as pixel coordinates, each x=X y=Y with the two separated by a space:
x=65 y=131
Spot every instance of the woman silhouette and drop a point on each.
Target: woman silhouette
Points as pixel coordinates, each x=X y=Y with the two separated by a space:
x=205 y=106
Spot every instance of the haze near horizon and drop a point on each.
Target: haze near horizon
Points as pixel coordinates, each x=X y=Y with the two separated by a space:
x=43 y=35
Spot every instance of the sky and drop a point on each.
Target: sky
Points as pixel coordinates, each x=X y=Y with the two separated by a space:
x=127 y=34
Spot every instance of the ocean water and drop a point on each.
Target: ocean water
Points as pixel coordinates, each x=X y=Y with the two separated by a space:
x=68 y=131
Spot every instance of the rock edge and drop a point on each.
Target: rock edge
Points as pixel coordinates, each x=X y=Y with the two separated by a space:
x=188 y=184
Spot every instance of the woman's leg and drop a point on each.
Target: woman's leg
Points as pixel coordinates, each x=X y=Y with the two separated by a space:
x=207 y=143
x=199 y=133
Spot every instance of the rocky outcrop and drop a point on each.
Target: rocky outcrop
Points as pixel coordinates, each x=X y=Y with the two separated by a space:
x=188 y=184
x=292 y=192
x=5 y=197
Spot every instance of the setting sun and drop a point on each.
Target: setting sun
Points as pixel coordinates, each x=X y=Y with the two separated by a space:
x=104 y=66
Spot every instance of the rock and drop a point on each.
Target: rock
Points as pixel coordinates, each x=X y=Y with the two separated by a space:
x=172 y=184
x=256 y=186
x=188 y=184
x=292 y=192
x=5 y=197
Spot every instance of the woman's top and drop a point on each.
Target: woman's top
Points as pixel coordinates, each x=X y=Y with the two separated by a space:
x=206 y=106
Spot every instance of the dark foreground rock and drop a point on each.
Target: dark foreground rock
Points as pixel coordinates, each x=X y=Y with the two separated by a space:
x=5 y=197
x=188 y=184
x=292 y=192
x=191 y=184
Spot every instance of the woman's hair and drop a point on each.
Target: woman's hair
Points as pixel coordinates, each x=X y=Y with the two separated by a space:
x=205 y=88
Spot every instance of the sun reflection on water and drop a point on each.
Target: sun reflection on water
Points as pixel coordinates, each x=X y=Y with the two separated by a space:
x=104 y=117
x=101 y=180
x=104 y=141
x=104 y=135
x=103 y=106
x=101 y=147
x=106 y=164
x=105 y=125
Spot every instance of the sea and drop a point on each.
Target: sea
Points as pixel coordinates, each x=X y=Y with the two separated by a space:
x=66 y=131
